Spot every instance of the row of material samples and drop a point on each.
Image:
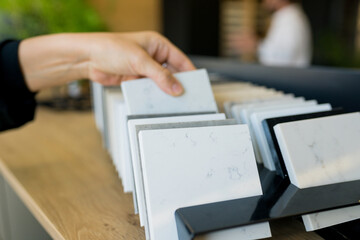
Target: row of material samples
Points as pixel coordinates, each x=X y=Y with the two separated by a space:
x=166 y=149
x=310 y=143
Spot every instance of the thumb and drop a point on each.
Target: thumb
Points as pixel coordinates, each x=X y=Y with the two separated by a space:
x=161 y=76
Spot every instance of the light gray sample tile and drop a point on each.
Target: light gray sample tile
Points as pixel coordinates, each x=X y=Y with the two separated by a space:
x=135 y=153
x=4 y=214
x=244 y=112
x=251 y=232
x=96 y=92
x=107 y=112
x=125 y=163
x=145 y=97
x=113 y=99
x=191 y=124
x=244 y=95
x=259 y=136
x=241 y=112
x=322 y=151
x=117 y=132
x=229 y=104
x=325 y=219
x=192 y=166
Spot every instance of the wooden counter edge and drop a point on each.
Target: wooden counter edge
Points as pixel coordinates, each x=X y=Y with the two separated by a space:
x=29 y=202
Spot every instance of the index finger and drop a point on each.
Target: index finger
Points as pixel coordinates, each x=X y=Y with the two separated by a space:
x=177 y=60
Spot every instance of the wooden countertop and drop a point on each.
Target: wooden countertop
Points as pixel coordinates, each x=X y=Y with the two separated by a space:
x=58 y=167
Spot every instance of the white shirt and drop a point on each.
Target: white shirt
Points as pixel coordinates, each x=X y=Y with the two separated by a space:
x=288 y=42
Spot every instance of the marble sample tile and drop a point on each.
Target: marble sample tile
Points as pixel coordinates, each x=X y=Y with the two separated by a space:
x=192 y=166
x=173 y=125
x=107 y=95
x=97 y=91
x=251 y=93
x=325 y=219
x=125 y=158
x=135 y=154
x=241 y=112
x=322 y=151
x=117 y=134
x=251 y=232
x=268 y=128
x=327 y=147
x=145 y=97
x=244 y=112
x=257 y=117
x=229 y=104
x=230 y=86
x=113 y=98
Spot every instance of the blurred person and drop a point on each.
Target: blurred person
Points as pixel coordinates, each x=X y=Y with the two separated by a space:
x=108 y=58
x=288 y=41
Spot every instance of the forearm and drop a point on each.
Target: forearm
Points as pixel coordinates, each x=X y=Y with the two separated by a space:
x=53 y=60
x=107 y=58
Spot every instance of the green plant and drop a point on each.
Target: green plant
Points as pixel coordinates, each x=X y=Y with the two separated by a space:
x=331 y=49
x=26 y=18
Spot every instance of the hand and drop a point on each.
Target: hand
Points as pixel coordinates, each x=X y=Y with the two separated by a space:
x=107 y=58
x=119 y=57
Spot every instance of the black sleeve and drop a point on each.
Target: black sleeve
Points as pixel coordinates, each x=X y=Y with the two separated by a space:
x=17 y=102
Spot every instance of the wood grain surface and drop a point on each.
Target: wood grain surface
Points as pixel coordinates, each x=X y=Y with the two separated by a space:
x=58 y=167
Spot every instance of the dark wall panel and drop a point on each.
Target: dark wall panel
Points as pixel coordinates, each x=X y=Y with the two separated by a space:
x=193 y=25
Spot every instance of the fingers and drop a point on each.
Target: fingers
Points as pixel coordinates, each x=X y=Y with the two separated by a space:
x=160 y=75
x=158 y=45
x=177 y=59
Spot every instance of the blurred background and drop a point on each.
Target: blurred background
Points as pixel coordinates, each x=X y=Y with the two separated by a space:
x=198 y=27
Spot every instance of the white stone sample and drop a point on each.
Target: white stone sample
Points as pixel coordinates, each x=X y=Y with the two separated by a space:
x=242 y=113
x=322 y=151
x=259 y=136
x=144 y=97
x=191 y=166
x=135 y=153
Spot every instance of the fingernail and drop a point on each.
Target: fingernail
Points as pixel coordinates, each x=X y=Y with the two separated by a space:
x=177 y=89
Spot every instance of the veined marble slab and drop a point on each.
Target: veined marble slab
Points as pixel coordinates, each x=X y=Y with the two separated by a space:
x=174 y=125
x=322 y=151
x=268 y=127
x=192 y=166
x=257 y=117
x=145 y=97
x=135 y=153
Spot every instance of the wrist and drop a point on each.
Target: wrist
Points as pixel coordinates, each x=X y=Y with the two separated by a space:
x=53 y=60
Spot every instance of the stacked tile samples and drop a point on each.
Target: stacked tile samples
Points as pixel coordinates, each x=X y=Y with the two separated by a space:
x=140 y=123
x=178 y=152
x=273 y=143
